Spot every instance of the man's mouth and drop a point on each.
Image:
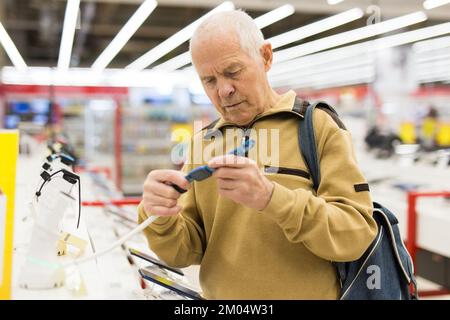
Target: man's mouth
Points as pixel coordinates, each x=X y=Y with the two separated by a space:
x=233 y=105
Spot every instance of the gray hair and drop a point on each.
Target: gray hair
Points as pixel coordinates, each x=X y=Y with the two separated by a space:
x=250 y=36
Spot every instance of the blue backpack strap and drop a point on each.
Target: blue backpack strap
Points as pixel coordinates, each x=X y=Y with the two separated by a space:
x=307 y=143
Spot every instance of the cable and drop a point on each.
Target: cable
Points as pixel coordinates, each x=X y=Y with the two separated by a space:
x=79 y=202
x=119 y=242
x=72 y=175
x=38 y=193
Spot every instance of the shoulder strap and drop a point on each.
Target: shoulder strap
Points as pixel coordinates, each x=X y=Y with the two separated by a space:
x=307 y=141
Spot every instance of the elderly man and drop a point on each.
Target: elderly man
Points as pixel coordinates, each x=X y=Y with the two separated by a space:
x=258 y=231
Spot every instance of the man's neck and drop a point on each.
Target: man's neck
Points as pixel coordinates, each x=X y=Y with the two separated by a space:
x=272 y=99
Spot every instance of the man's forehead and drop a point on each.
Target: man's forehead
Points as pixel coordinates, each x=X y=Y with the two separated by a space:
x=223 y=65
x=219 y=59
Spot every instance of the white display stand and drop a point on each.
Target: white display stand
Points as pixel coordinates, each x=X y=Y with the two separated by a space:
x=110 y=276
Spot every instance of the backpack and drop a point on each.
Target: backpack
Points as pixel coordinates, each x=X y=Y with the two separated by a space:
x=385 y=270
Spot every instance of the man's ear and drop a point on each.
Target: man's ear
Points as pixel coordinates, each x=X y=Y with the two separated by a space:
x=267 y=55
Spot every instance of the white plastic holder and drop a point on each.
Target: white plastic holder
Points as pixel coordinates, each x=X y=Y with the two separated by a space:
x=42 y=269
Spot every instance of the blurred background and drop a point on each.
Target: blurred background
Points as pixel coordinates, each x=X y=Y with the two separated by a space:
x=112 y=80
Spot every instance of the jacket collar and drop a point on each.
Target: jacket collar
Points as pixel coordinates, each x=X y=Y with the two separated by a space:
x=286 y=104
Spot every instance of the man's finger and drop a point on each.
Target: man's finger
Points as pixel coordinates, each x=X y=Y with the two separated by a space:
x=173 y=176
x=160 y=201
x=227 y=184
x=161 y=189
x=229 y=160
x=228 y=173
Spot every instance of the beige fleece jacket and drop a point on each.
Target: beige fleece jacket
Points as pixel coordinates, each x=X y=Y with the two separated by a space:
x=286 y=250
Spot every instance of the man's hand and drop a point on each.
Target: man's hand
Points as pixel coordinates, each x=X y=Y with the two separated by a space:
x=240 y=179
x=158 y=197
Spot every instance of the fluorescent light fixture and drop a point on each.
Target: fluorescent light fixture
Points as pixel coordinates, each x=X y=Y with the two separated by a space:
x=325 y=57
x=70 y=20
x=434 y=78
x=274 y=16
x=329 y=79
x=175 y=63
x=431 y=45
x=440 y=67
x=128 y=30
x=315 y=27
x=323 y=68
x=349 y=36
x=354 y=80
x=88 y=77
x=174 y=41
x=429 y=58
x=331 y=76
x=362 y=48
x=282 y=39
x=431 y=4
x=261 y=21
x=11 y=49
x=333 y=2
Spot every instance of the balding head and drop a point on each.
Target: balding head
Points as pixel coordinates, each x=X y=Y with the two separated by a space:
x=231 y=26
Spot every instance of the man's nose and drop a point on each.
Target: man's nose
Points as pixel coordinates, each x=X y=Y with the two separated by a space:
x=226 y=90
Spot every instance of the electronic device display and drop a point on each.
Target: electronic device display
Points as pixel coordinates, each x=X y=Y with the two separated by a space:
x=36 y=111
x=11 y=121
x=40 y=106
x=163 y=280
x=155 y=261
x=19 y=107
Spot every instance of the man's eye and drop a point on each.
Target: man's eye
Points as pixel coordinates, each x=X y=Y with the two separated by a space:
x=234 y=73
x=208 y=81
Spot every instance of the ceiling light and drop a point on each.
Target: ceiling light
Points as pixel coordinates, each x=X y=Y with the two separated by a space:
x=333 y=2
x=323 y=68
x=428 y=58
x=349 y=36
x=356 y=75
x=11 y=49
x=431 y=4
x=282 y=39
x=136 y=20
x=174 y=41
x=70 y=20
x=274 y=16
x=366 y=47
x=315 y=27
x=431 y=45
